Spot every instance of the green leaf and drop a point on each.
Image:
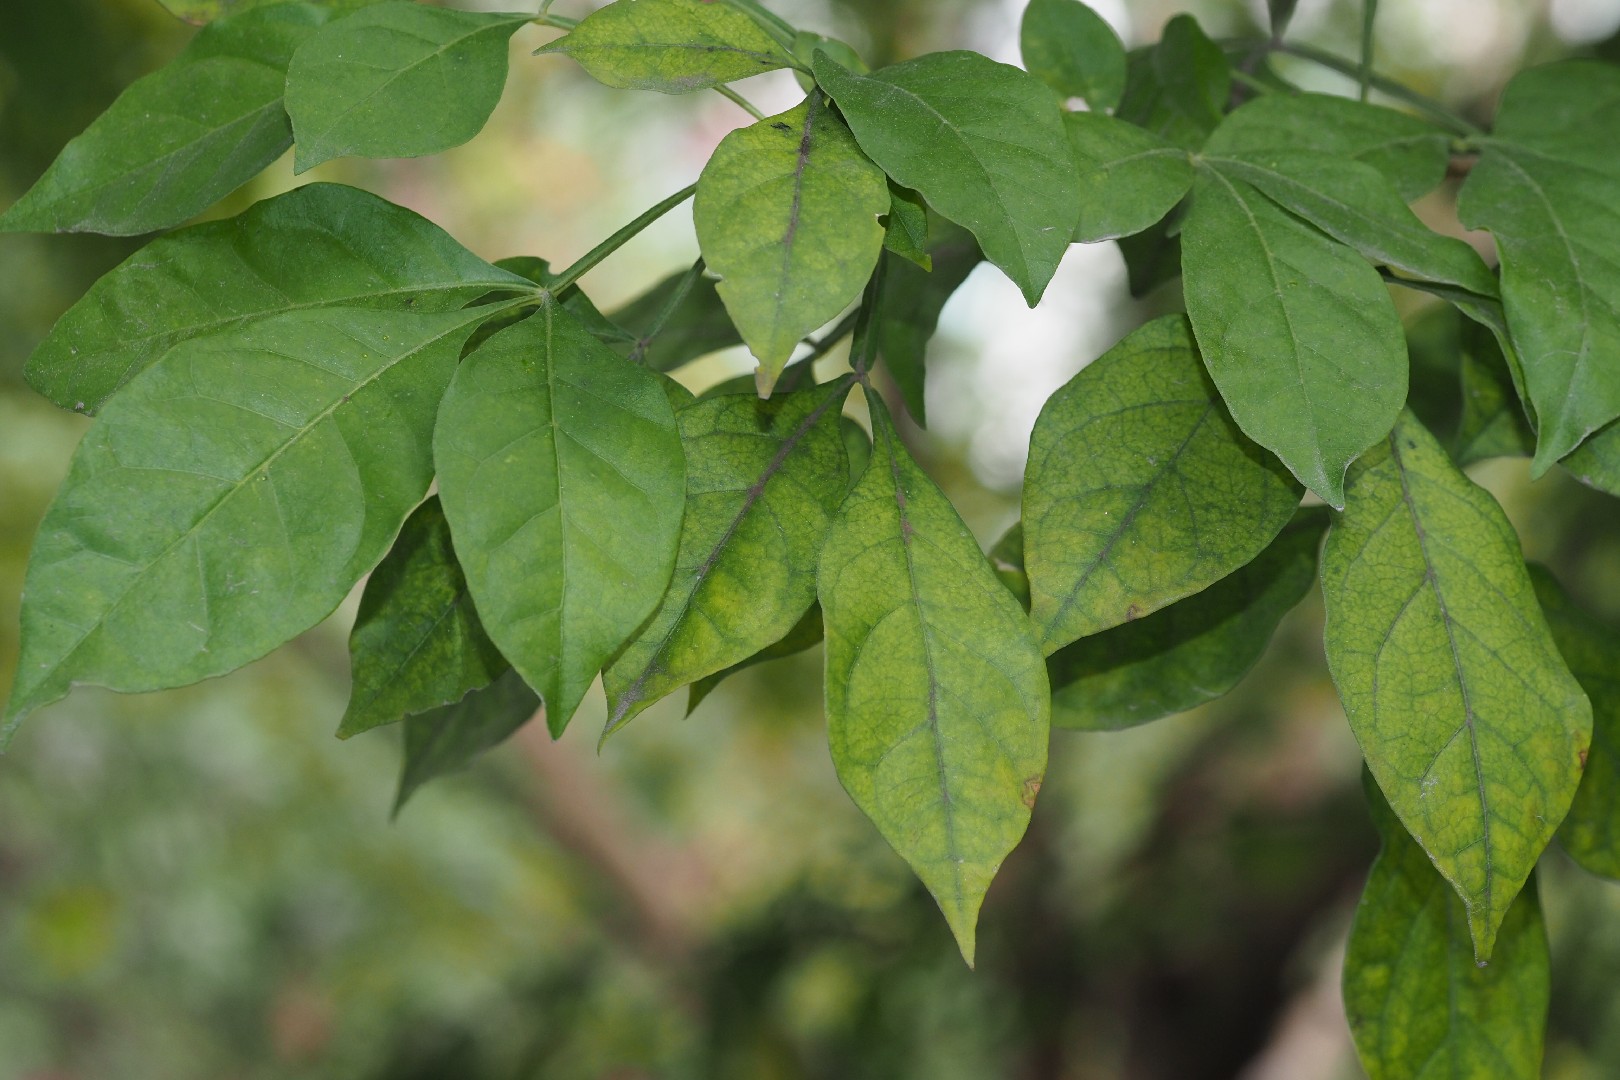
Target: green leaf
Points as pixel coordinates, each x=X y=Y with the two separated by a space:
x=1191 y=652
x=910 y=300
x=323 y=245
x=1153 y=257
x=1468 y=717
x=1297 y=331
x=1145 y=104
x=1140 y=490
x=200 y=12
x=671 y=46
x=787 y=215
x=937 y=700
x=805 y=45
x=180 y=139
x=906 y=231
x=443 y=740
x=806 y=634
x=982 y=142
x=1547 y=186
x=677 y=321
x=1591 y=831
x=1281 y=13
x=417 y=643
x=1193 y=72
x=1411 y=153
x=230 y=498
x=1129 y=178
x=1596 y=462
x=1007 y=560
x=1419 y=1007
x=397 y=79
x=561 y=473
x=1073 y=50
x=1492 y=423
x=763 y=479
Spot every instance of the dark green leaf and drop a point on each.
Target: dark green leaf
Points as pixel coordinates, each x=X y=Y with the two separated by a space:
x=1073 y=50
x=1548 y=187
x=906 y=231
x=1191 y=652
x=677 y=321
x=1144 y=104
x=1591 y=831
x=983 y=142
x=857 y=448
x=787 y=215
x=805 y=45
x=1007 y=560
x=180 y=139
x=231 y=497
x=323 y=245
x=1153 y=257
x=1492 y=423
x=672 y=46
x=1419 y=1006
x=1193 y=72
x=763 y=479
x=417 y=643
x=561 y=472
x=1140 y=490
x=446 y=739
x=1468 y=717
x=397 y=79
x=937 y=700
x=573 y=298
x=1281 y=13
x=1129 y=178
x=1296 y=329
x=806 y=634
x=911 y=300
x=1596 y=462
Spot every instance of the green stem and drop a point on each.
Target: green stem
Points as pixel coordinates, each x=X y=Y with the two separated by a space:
x=560 y=22
x=618 y=240
x=1259 y=86
x=676 y=299
x=1436 y=111
x=731 y=95
x=1369 y=14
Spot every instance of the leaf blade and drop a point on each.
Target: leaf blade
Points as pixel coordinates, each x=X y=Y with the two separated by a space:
x=671 y=46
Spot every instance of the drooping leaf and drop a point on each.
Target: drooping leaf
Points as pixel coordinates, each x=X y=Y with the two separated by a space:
x=911 y=300
x=180 y=139
x=1591 y=831
x=397 y=79
x=1547 y=186
x=417 y=643
x=1129 y=178
x=1073 y=50
x=443 y=740
x=1296 y=329
x=937 y=700
x=1419 y=1007
x=1193 y=72
x=1140 y=489
x=787 y=215
x=982 y=142
x=672 y=46
x=561 y=473
x=1191 y=652
x=230 y=498
x=763 y=479
x=323 y=245
x=1468 y=717
x=677 y=321
x=906 y=231
x=806 y=634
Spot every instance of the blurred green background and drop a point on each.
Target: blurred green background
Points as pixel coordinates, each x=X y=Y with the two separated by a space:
x=205 y=883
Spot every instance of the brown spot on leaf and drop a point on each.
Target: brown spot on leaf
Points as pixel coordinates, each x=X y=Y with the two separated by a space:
x=1583 y=758
x=1032 y=788
x=1133 y=613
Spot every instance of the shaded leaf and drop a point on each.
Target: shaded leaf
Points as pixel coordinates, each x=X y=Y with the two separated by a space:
x=1468 y=717
x=1419 y=1007
x=763 y=479
x=323 y=245
x=937 y=700
x=1140 y=490
x=1280 y=13
x=397 y=79
x=982 y=142
x=1007 y=560
x=444 y=740
x=786 y=214
x=1596 y=462
x=1191 y=652
x=677 y=321
x=231 y=497
x=1492 y=423
x=1153 y=256
x=417 y=643
x=561 y=473
x=1145 y=104
x=910 y=300
x=180 y=139
x=199 y=12
x=1073 y=50
x=806 y=634
x=1129 y=178
x=906 y=231
x=1193 y=73
x=672 y=46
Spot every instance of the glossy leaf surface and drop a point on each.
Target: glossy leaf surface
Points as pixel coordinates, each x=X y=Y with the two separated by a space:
x=672 y=46
x=1468 y=717
x=1073 y=50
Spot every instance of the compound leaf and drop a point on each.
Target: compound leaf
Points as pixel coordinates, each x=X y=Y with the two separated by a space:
x=1469 y=719
x=1419 y=1007
x=417 y=643
x=672 y=46
x=322 y=245
x=1140 y=490
x=982 y=142
x=676 y=321
x=443 y=740
x=397 y=79
x=937 y=700
x=561 y=474
x=1073 y=50
x=180 y=139
x=230 y=498
x=1129 y=177
x=787 y=215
